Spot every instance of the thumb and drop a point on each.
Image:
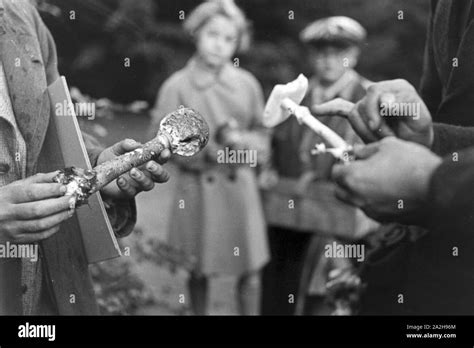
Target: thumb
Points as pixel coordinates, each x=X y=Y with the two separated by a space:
x=124 y=146
x=366 y=151
x=336 y=107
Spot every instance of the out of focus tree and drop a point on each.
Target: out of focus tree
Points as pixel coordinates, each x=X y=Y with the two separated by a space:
x=97 y=39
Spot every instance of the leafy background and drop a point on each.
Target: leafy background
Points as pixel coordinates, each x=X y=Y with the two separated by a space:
x=92 y=47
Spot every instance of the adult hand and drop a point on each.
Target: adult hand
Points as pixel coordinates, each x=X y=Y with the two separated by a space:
x=136 y=180
x=32 y=209
x=390 y=180
x=389 y=108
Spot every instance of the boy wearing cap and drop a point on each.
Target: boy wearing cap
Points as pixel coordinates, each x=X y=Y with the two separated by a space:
x=334 y=48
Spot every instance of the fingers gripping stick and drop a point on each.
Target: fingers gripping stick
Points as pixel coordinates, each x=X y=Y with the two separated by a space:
x=183 y=131
x=345 y=155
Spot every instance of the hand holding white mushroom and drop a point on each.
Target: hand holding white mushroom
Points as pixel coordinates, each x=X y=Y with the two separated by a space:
x=284 y=101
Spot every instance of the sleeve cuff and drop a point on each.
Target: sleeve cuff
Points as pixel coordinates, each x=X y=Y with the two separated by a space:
x=122 y=215
x=448 y=139
x=449 y=190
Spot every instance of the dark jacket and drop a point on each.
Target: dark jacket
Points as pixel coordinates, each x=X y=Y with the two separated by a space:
x=415 y=271
x=24 y=36
x=432 y=270
x=447 y=84
x=440 y=279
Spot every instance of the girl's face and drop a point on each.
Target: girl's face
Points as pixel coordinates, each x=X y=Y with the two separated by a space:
x=217 y=41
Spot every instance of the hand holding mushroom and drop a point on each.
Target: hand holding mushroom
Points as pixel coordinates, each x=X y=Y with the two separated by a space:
x=138 y=179
x=183 y=132
x=284 y=101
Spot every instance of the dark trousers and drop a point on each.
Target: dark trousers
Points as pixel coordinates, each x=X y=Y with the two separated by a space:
x=281 y=276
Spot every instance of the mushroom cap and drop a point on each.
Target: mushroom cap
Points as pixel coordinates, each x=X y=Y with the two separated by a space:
x=187 y=131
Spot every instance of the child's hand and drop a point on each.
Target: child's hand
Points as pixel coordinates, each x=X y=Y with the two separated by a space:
x=268 y=178
x=138 y=179
x=304 y=181
x=32 y=209
x=228 y=134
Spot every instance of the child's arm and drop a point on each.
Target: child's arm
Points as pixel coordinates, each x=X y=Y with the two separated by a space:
x=122 y=214
x=256 y=136
x=118 y=195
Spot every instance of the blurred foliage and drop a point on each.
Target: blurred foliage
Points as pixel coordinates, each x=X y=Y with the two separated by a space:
x=92 y=46
x=119 y=288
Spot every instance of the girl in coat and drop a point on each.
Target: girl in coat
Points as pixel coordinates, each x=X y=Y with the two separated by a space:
x=217 y=216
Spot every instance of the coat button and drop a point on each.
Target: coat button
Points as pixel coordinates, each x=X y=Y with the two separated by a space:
x=210 y=179
x=4 y=168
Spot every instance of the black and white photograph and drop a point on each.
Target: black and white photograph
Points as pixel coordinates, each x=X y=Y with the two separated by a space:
x=237 y=163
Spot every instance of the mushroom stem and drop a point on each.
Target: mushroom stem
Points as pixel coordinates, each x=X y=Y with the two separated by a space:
x=110 y=170
x=183 y=131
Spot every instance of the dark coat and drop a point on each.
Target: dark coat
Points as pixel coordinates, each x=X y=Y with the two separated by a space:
x=440 y=277
x=447 y=85
x=420 y=264
x=24 y=37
